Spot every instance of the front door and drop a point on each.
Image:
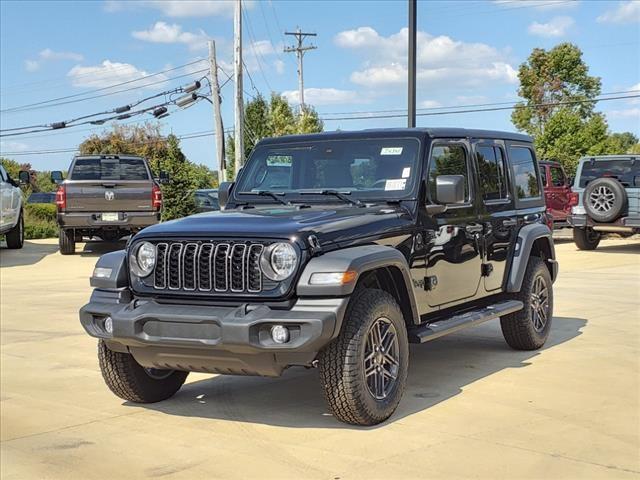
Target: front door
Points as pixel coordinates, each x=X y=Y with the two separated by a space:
x=497 y=211
x=454 y=239
x=557 y=194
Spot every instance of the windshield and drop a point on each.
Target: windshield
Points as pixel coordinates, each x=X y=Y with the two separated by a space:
x=109 y=169
x=368 y=169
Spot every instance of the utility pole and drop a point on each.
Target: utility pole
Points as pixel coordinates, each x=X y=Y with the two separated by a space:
x=237 y=73
x=411 y=107
x=300 y=50
x=217 y=116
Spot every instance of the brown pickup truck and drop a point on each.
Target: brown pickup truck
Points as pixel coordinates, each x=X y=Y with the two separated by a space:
x=108 y=196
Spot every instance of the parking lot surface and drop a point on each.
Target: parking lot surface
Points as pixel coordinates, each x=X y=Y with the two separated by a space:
x=473 y=407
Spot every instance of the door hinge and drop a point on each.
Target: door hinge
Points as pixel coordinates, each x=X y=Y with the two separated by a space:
x=486 y=269
x=430 y=283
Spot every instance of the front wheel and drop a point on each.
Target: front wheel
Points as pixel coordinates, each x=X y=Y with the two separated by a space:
x=528 y=329
x=15 y=236
x=131 y=381
x=586 y=238
x=364 y=370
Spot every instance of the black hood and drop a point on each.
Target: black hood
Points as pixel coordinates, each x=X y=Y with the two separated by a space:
x=329 y=223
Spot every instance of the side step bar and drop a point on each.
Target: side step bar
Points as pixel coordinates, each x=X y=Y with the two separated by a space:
x=431 y=331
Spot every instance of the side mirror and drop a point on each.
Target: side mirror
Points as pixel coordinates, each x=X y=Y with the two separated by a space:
x=24 y=177
x=56 y=176
x=163 y=178
x=450 y=189
x=224 y=190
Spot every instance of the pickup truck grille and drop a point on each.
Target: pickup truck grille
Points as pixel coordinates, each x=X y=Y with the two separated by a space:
x=208 y=267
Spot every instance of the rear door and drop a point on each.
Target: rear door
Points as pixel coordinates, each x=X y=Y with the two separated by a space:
x=497 y=211
x=557 y=193
x=109 y=184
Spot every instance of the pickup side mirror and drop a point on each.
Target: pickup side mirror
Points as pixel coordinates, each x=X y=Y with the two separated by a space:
x=163 y=178
x=224 y=190
x=450 y=189
x=56 y=176
x=24 y=177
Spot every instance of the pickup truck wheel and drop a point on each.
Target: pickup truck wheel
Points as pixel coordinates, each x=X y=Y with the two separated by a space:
x=364 y=370
x=15 y=236
x=529 y=328
x=586 y=238
x=67 y=242
x=131 y=381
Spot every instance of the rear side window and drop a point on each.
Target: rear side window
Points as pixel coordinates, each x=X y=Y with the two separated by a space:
x=448 y=160
x=623 y=170
x=109 y=169
x=525 y=173
x=493 y=180
x=543 y=176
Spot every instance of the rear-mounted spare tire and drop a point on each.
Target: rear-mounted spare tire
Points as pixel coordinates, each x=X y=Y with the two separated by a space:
x=604 y=199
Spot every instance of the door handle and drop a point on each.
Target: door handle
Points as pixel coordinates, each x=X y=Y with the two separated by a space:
x=474 y=228
x=509 y=222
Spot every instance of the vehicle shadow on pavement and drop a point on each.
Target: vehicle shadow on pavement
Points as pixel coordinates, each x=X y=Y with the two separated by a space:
x=30 y=254
x=439 y=370
x=96 y=248
x=622 y=248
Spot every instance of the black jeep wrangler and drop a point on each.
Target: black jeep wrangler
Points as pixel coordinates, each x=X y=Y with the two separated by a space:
x=333 y=250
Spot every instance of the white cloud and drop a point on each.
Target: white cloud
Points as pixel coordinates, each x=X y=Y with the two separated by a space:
x=324 y=96
x=162 y=32
x=625 y=12
x=31 y=65
x=537 y=4
x=109 y=73
x=470 y=99
x=441 y=60
x=279 y=66
x=429 y=104
x=10 y=146
x=179 y=8
x=625 y=113
x=556 y=27
x=47 y=55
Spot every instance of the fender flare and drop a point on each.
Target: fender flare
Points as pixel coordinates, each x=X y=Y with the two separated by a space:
x=527 y=236
x=361 y=259
x=117 y=264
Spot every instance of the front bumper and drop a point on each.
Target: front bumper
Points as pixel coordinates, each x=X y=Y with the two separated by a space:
x=626 y=224
x=93 y=220
x=212 y=339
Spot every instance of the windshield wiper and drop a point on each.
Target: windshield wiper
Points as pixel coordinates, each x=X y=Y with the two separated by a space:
x=341 y=195
x=266 y=193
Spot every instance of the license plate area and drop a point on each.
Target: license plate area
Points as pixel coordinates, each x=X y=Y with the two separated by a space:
x=110 y=217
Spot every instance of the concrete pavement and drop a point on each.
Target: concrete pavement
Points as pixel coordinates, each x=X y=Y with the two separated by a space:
x=473 y=407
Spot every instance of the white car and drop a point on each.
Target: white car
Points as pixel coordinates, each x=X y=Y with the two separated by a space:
x=11 y=218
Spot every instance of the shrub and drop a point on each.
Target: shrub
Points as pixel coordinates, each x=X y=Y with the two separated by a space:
x=41 y=211
x=40 y=221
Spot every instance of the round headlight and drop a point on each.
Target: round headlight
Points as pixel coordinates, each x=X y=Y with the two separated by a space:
x=143 y=259
x=279 y=261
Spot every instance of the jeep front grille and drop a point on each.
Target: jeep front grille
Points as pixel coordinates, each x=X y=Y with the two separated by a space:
x=208 y=267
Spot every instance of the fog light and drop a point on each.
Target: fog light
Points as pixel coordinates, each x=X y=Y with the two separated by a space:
x=280 y=334
x=108 y=325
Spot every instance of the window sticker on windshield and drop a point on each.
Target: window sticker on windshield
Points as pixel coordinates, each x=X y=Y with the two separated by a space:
x=395 y=184
x=391 y=151
x=406 y=171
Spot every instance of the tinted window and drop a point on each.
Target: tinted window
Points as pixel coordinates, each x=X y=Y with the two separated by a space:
x=448 y=160
x=623 y=170
x=109 y=169
x=524 y=172
x=558 y=178
x=543 y=176
x=3 y=177
x=493 y=180
x=41 y=198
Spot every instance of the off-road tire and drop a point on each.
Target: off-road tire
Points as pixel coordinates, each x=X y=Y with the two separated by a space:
x=130 y=381
x=518 y=327
x=618 y=202
x=15 y=236
x=341 y=363
x=67 y=242
x=586 y=238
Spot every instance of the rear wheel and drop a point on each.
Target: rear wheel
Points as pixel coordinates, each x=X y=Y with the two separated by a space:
x=528 y=329
x=15 y=236
x=586 y=238
x=131 y=381
x=364 y=370
x=67 y=242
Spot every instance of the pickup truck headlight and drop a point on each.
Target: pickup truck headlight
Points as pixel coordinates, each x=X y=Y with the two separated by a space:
x=143 y=259
x=278 y=261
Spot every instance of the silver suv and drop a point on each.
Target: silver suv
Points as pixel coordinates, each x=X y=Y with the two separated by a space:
x=608 y=191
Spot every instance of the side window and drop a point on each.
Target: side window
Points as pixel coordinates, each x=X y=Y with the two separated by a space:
x=543 y=176
x=448 y=160
x=524 y=173
x=491 y=166
x=557 y=177
x=3 y=176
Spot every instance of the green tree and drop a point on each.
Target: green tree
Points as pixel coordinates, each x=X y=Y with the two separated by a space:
x=177 y=194
x=13 y=168
x=615 y=144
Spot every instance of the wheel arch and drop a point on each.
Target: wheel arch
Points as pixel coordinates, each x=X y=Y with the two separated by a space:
x=533 y=240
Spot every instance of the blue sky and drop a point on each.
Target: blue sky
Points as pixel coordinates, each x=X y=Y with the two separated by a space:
x=468 y=53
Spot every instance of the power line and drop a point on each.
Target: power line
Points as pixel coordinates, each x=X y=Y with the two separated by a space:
x=48 y=103
x=256 y=54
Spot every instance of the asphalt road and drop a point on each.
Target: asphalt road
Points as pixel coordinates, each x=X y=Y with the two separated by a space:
x=473 y=407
